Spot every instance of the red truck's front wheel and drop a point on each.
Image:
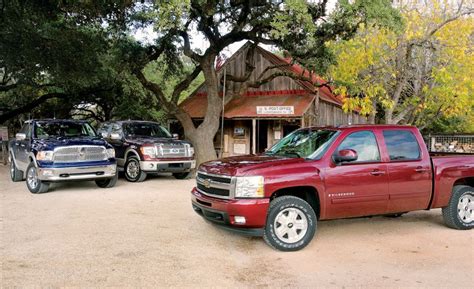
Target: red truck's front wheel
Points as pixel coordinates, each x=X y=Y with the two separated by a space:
x=291 y=224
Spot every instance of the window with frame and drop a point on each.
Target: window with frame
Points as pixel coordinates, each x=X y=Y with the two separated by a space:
x=364 y=143
x=401 y=145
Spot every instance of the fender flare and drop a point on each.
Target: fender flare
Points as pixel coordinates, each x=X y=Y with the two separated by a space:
x=131 y=151
x=32 y=157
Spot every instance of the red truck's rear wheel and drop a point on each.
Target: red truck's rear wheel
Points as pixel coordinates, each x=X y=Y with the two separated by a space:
x=291 y=224
x=459 y=214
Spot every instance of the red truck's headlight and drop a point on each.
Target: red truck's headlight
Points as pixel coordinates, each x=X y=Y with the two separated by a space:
x=249 y=187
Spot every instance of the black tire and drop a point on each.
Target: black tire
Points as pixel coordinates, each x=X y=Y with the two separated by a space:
x=181 y=176
x=283 y=205
x=15 y=174
x=107 y=183
x=35 y=186
x=138 y=175
x=459 y=212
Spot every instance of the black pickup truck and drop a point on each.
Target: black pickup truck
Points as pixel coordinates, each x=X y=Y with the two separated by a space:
x=143 y=147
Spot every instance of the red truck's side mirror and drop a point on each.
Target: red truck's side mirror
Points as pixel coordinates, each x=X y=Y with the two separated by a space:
x=346 y=155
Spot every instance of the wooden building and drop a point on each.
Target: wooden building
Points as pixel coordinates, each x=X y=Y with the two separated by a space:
x=259 y=117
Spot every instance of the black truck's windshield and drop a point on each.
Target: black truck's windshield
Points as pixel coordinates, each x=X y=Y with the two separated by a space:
x=49 y=129
x=145 y=129
x=304 y=143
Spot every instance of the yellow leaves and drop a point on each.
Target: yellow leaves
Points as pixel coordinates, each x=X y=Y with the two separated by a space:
x=440 y=68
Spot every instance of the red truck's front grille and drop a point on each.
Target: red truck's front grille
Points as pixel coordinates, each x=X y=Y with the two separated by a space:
x=218 y=186
x=213 y=191
x=225 y=180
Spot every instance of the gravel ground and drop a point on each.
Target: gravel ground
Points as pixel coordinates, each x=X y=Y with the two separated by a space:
x=146 y=235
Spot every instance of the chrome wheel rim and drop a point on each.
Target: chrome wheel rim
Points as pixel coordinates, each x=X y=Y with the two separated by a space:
x=133 y=169
x=290 y=225
x=466 y=207
x=32 y=178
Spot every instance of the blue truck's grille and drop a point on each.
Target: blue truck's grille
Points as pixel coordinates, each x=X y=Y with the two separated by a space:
x=71 y=154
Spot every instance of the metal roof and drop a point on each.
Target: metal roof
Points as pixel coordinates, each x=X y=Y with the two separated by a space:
x=246 y=106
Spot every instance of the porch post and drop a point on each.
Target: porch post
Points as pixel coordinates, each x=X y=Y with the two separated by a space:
x=254 y=136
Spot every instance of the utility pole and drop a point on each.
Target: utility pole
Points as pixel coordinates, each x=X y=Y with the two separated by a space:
x=223 y=113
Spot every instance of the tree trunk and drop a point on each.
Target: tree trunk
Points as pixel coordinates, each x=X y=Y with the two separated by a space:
x=202 y=137
x=203 y=142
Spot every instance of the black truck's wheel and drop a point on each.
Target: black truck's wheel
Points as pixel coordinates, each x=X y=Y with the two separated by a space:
x=181 y=176
x=291 y=224
x=35 y=185
x=107 y=183
x=15 y=174
x=133 y=173
x=459 y=214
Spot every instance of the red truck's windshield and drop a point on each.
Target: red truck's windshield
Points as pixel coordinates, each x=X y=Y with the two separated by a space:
x=304 y=143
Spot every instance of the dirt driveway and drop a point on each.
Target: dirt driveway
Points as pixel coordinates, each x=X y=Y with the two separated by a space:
x=146 y=234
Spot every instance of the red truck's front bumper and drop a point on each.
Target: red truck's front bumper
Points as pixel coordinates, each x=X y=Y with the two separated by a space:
x=223 y=212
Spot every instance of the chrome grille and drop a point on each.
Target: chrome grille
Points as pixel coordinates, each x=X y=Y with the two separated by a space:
x=218 y=186
x=174 y=150
x=71 y=154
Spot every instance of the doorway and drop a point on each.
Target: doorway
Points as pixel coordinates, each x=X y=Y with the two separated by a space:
x=262 y=135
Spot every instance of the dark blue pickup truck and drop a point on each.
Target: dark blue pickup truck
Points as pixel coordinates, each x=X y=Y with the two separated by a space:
x=46 y=151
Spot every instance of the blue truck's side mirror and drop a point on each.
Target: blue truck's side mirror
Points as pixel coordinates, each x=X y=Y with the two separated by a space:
x=20 y=136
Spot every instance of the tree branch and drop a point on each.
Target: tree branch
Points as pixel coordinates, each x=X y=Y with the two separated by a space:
x=180 y=87
x=31 y=105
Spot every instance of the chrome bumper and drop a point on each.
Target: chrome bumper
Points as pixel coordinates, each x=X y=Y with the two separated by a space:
x=77 y=173
x=167 y=166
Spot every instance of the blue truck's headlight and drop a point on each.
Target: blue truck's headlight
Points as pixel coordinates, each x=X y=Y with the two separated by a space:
x=249 y=187
x=45 y=156
x=110 y=153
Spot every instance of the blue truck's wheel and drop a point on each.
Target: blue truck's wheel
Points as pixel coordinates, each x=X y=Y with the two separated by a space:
x=291 y=224
x=107 y=183
x=133 y=173
x=459 y=214
x=15 y=174
x=34 y=184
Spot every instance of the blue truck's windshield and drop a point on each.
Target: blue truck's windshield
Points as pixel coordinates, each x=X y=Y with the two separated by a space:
x=304 y=143
x=145 y=129
x=44 y=130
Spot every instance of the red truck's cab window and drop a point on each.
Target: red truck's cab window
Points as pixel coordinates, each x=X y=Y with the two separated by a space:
x=364 y=143
x=401 y=145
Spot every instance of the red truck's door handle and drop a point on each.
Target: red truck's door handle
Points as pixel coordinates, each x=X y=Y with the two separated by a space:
x=420 y=170
x=377 y=173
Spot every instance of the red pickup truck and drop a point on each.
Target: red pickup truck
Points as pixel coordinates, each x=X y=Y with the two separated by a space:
x=324 y=173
